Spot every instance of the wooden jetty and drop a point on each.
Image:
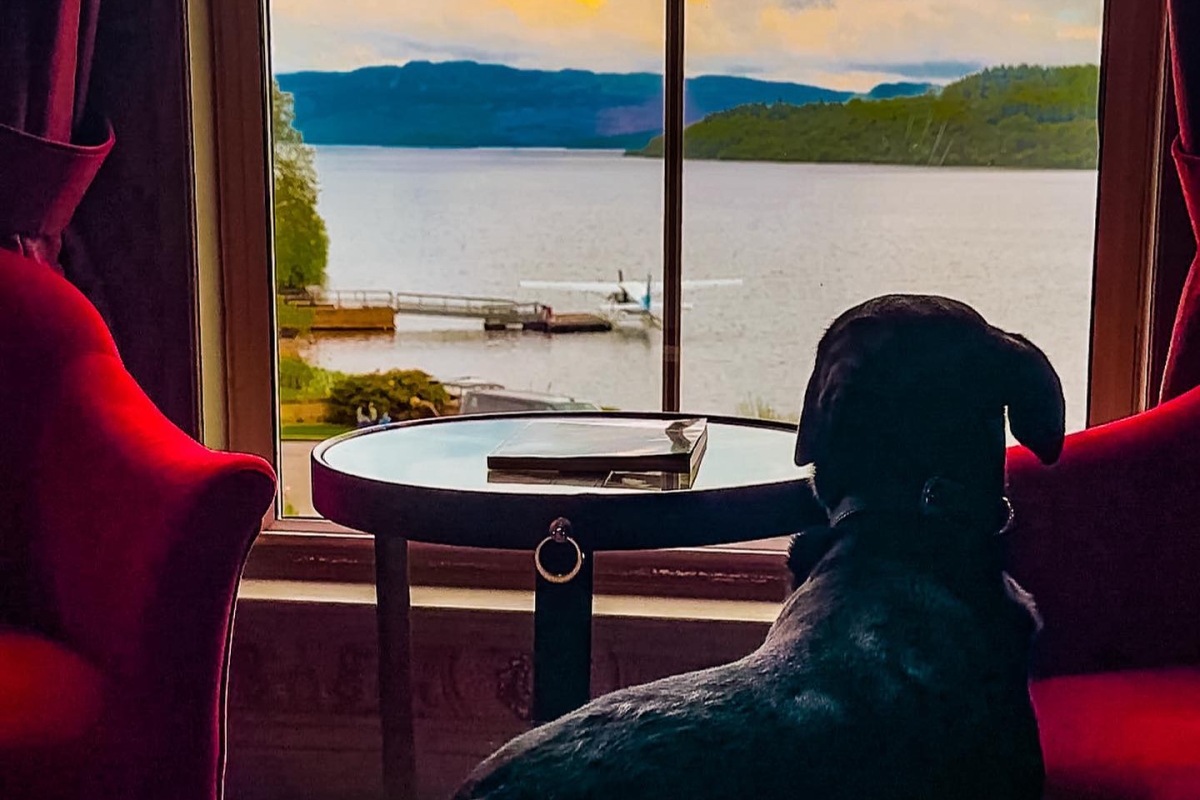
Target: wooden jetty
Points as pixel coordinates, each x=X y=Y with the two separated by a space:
x=375 y=310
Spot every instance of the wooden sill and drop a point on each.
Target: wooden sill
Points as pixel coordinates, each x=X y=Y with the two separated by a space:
x=737 y=575
x=508 y=601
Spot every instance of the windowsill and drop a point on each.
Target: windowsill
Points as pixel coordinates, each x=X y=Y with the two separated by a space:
x=731 y=575
x=509 y=601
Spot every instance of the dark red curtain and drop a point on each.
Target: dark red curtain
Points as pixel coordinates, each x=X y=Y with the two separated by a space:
x=50 y=146
x=1182 y=370
x=68 y=68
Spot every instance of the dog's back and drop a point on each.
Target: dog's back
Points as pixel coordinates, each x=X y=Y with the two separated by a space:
x=875 y=682
x=930 y=654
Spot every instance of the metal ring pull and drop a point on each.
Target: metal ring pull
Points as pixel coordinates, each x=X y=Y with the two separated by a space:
x=1009 y=517
x=560 y=532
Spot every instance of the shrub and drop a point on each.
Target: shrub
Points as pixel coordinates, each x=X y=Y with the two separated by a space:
x=402 y=394
x=300 y=381
x=756 y=407
x=294 y=372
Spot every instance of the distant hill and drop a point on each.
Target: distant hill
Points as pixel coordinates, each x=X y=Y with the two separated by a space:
x=466 y=104
x=1002 y=117
x=885 y=91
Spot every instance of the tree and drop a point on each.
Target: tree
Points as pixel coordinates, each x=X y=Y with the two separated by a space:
x=301 y=241
x=1041 y=117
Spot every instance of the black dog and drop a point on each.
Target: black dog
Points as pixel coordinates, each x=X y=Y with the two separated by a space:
x=897 y=669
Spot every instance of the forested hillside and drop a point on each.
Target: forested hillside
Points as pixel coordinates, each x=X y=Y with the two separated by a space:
x=1044 y=117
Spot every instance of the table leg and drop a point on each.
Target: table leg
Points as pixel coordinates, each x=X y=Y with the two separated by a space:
x=395 y=668
x=562 y=644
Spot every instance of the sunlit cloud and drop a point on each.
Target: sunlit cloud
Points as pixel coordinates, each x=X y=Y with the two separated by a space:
x=554 y=13
x=843 y=43
x=1079 y=33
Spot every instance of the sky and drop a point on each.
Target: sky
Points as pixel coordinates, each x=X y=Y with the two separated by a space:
x=842 y=44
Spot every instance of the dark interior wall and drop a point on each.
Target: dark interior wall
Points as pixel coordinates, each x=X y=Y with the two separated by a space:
x=132 y=243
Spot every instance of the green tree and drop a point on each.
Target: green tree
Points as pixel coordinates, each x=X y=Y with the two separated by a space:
x=301 y=242
x=1023 y=116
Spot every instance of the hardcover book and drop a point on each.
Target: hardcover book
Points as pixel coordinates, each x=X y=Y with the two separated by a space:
x=643 y=481
x=604 y=446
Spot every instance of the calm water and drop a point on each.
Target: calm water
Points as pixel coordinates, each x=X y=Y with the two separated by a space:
x=808 y=240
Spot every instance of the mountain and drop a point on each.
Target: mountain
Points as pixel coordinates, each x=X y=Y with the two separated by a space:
x=1043 y=117
x=885 y=91
x=467 y=104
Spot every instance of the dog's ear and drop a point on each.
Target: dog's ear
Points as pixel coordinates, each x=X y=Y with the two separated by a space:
x=1031 y=390
x=809 y=436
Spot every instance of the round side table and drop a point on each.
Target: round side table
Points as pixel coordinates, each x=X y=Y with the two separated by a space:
x=428 y=481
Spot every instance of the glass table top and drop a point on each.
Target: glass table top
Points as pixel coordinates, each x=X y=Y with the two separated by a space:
x=452 y=454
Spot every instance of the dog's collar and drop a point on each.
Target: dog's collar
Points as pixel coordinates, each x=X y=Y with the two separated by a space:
x=940 y=498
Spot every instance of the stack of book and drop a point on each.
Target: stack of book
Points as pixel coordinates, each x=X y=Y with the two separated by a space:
x=649 y=454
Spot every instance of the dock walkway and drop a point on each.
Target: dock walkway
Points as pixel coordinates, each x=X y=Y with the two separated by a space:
x=374 y=309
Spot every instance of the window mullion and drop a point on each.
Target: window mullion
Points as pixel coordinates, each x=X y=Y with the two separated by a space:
x=672 y=205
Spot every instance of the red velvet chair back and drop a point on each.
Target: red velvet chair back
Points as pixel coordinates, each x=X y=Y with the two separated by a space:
x=1108 y=542
x=44 y=324
x=121 y=538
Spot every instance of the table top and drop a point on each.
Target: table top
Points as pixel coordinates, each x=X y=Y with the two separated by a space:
x=428 y=481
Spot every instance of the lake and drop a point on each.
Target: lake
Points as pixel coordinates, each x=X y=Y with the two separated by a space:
x=807 y=240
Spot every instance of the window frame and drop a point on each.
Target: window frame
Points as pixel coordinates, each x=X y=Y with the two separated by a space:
x=228 y=40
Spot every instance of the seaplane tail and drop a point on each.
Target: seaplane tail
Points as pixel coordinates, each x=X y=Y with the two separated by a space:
x=621 y=303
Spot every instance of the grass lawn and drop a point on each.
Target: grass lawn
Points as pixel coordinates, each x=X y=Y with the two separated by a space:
x=310 y=431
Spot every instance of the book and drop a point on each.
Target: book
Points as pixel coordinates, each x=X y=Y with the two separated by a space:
x=533 y=477
x=650 y=481
x=642 y=481
x=604 y=446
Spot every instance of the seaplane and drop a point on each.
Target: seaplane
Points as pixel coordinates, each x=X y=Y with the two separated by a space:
x=628 y=302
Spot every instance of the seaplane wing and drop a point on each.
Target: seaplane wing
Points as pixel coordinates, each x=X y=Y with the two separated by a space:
x=655 y=307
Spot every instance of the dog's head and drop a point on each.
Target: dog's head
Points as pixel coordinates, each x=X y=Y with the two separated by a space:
x=908 y=387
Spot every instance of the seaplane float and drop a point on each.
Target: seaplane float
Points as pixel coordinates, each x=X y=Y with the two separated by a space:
x=630 y=302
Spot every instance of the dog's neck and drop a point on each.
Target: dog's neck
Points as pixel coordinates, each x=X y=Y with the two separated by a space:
x=940 y=521
x=939 y=498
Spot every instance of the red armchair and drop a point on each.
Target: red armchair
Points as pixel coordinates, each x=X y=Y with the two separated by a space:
x=1108 y=542
x=121 y=544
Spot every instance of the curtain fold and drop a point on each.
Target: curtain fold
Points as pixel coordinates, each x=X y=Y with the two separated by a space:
x=1182 y=371
x=50 y=148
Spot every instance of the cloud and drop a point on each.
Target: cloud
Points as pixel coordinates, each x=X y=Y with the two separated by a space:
x=931 y=70
x=1079 y=33
x=847 y=42
x=734 y=68
x=554 y=13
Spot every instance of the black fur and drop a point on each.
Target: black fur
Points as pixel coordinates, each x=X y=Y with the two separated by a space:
x=897 y=668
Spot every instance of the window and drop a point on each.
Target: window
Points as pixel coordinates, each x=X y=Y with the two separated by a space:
x=495 y=170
